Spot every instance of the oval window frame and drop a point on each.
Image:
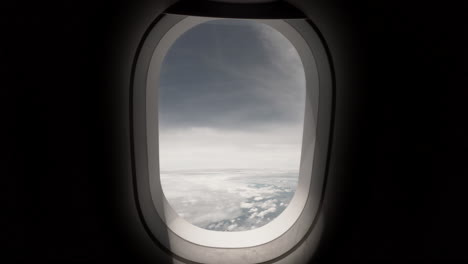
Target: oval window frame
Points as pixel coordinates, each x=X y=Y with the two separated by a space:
x=283 y=233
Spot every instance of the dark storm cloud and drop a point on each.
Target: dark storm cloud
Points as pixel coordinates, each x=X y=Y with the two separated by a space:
x=227 y=74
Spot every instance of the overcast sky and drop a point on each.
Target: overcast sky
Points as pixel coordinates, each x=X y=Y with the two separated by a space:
x=232 y=95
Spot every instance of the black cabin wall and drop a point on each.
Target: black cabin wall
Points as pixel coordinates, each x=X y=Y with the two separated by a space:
x=398 y=166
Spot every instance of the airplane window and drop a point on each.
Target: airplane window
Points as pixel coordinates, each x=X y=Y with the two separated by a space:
x=232 y=97
x=231 y=122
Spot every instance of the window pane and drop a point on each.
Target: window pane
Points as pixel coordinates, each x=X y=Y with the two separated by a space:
x=231 y=111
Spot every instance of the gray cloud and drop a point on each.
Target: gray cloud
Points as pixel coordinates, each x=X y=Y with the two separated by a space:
x=230 y=73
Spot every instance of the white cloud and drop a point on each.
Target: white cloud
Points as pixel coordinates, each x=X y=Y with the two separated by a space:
x=203 y=199
x=253 y=210
x=253 y=215
x=210 y=148
x=246 y=205
x=268 y=204
x=268 y=211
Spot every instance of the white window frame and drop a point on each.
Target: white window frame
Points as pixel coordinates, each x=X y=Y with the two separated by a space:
x=265 y=243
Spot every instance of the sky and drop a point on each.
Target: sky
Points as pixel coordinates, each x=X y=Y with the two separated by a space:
x=231 y=95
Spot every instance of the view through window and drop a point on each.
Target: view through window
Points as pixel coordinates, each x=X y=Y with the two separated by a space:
x=231 y=113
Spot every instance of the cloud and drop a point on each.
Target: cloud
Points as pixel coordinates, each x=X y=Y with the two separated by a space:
x=253 y=210
x=232 y=95
x=269 y=204
x=228 y=73
x=268 y=211
x=231 y=227
x=213 y=199
x=246 y=205
x=211 y=148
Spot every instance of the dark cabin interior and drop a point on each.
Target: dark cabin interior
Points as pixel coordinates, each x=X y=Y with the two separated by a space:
x=399 y=150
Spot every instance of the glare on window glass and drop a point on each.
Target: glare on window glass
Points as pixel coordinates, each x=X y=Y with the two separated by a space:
x=231 y=113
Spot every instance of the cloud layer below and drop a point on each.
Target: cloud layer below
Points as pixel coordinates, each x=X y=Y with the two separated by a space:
x=229 y=200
